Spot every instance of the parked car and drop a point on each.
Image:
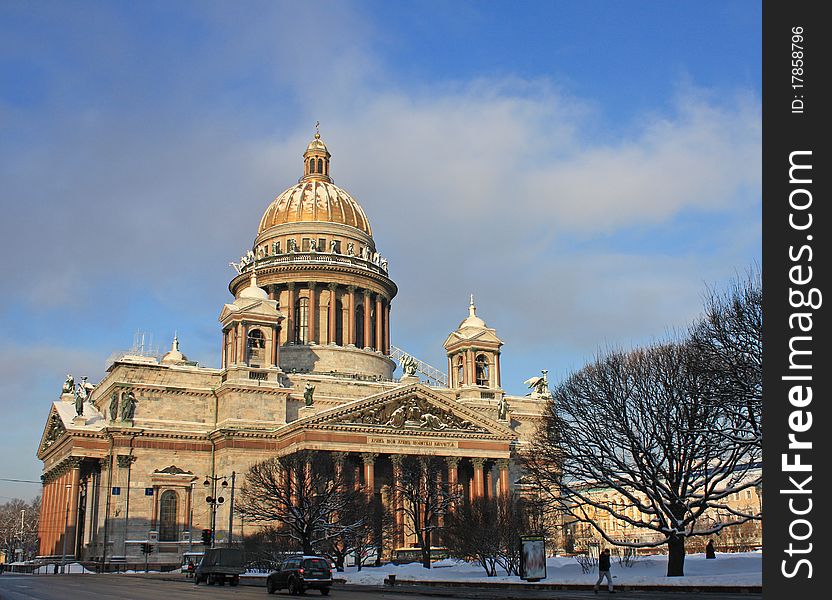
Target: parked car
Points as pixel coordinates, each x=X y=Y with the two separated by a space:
x=220 y=565
x=300 y=573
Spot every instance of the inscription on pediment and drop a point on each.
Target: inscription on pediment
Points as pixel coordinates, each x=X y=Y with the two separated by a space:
x=410 y=414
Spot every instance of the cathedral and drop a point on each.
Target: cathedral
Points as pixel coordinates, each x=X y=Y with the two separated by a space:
x=153 y=451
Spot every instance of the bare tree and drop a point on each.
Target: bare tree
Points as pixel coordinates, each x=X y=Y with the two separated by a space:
x=19 y=527
x=423 y=498
x=643 y=425
x=729 y=343
x=303 y=493
x=266 y=548
x=488 y=530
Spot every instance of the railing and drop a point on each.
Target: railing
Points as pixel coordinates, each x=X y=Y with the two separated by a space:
x=434 y=376
x=319 y=258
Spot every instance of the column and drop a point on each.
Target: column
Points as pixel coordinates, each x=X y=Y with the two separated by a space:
x=489 y=480
x=330 y=336
x=396 y=459
x=313 y=313
x=379 y=327
x=472 y=373
x=369 y=473
x=242 y=333
x=290 y=312
x=224 y=353
x=44 y=515
x=350 y=316
x=478 y=482
x=275 y=346
x=367 y=329
x=387 y=329
x=497 y=368
x=502 y=465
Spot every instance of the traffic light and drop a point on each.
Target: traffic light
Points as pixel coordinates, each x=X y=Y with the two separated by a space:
x=147 y=548
x=206 y=537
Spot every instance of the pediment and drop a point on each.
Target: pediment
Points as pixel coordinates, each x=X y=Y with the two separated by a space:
x=414 y=409
x=52 y=432
x=479 y=335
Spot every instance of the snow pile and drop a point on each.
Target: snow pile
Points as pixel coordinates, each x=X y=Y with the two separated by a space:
x=70 y=568
x=743 y=568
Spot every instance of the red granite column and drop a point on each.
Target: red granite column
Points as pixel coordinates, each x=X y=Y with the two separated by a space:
x=489 y=481
x=330 y=335
x=367 y=323
x=379 y=330
x=502 y=464
x=398 y=516
x=351 y=316
x=313 y=313
x=369 y=473
x=478 y=477
x=387 y=342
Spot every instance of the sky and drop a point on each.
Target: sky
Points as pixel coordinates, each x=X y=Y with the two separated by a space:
x=586 y=169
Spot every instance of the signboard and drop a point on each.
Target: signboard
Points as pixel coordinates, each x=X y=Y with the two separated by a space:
x=532 y=557
x=116 y=491
x=148 y=491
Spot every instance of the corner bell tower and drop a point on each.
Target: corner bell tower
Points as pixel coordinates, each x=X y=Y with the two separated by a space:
x=473 y=354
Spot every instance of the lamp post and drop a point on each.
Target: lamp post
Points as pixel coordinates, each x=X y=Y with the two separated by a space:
x=66 y=528
x=213 y=500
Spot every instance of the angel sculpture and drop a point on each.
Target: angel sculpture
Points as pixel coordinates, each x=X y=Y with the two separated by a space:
x=502 y=409
x=408 y=364
x=539 y=385
x=114 y=405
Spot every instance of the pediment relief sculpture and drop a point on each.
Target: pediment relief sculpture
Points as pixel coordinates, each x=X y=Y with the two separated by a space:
x=54 y=430
x=413 y=414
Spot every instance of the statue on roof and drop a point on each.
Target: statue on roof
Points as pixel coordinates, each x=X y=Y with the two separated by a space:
x=502 y=409
x=128 y=405
x=69 y=385
x=539 y=385
x=114 y=405
x=408 y=364
x=308 y=393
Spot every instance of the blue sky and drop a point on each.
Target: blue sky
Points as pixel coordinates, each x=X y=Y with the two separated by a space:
x=584 y=168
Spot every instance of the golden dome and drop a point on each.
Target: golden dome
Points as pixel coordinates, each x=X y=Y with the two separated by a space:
x=315 y=197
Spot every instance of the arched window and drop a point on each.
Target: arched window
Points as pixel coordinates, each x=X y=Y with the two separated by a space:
x=167 y=517
x=256 y=347
x=320 y=165
x=460 y=370
x=302 y=321
x=359 y=326
x=256 y=339
x=482 y=370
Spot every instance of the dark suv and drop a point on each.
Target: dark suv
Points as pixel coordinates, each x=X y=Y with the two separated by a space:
x=301 y=573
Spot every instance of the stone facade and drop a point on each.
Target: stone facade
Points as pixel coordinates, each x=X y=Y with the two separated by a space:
x=134 y=465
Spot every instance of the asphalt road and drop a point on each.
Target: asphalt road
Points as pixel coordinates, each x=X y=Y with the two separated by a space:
x=125 y=587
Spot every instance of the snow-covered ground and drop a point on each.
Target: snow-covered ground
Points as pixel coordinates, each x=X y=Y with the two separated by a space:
x=728 y=569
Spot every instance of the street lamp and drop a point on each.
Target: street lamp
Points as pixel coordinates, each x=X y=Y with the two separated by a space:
x=213 y=500
x=66 y=528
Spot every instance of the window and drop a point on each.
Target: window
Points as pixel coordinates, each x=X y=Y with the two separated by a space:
x=302 y=321
x=167 y=517
x=460 y=370
x=256 y=339
x=482 y=370
x=337 y=246
x=320 y=165
x=304 y=245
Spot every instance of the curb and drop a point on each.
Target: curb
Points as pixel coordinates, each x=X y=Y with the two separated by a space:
x=499 y=585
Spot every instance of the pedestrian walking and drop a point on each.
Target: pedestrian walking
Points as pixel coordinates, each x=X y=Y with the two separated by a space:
x=709 y=550
x=604 y=571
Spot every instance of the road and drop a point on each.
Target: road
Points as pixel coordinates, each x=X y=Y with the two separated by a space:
x=125 y=587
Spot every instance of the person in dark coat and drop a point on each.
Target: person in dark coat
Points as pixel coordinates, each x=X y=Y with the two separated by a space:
x=709 y=550
x=604 y=571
